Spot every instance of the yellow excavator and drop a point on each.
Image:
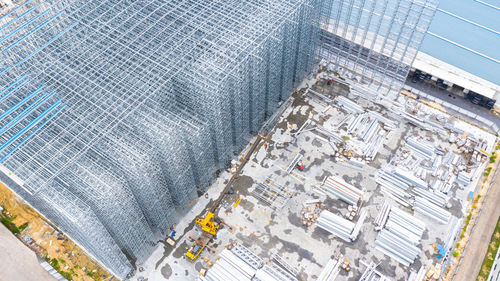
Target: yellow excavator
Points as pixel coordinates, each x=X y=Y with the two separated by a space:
x=210 y=224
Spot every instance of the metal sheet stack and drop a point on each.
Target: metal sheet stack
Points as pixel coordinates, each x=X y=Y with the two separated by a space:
x=342 y=228
x=423 y=206
x=400 y=236
x=342 y=190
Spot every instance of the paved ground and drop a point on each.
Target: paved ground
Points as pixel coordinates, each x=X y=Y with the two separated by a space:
x=18 y=262
x=480 y=239
x=454 y=99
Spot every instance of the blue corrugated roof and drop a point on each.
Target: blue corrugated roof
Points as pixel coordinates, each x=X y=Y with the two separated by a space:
x=473 y=26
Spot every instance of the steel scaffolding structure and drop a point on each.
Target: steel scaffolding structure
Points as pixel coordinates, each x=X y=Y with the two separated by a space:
x=117 y=114
x=374 y=41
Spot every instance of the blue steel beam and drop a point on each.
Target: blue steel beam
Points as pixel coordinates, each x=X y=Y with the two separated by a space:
x=48 y=43
x=26 y=111
x=15 y=9
x=34 y=132
x=20 y=103
x=33 y=31
x=30 y=125
x=22 y=26
x=20 y=16
x=12 y=90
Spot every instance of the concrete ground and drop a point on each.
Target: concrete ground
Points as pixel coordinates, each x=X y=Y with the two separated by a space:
x=18 y=262
x=277 y=228
x=454 y=99
x=480 y=238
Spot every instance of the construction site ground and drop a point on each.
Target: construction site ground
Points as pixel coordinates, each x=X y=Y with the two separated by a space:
x=46 y=241
x=278 y=228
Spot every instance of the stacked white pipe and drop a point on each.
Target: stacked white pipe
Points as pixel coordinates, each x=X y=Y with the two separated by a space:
x=340 y=227
x=400 y=237
x=348 y=105
x=424 y=207
x=229 y=267
x=342 y=190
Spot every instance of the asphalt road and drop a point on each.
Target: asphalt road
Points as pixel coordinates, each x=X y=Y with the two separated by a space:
x=480 y=238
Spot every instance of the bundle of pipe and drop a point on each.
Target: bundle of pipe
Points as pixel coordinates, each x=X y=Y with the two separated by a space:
x=388 y=123
x=229 y=267
x=331 y=135
x=327 y=99
x=342 y=190
x=382 y=216
x=391 y=183
x=336 y=225
x=409 y=178
x=348 y=105
x=464 y=178
x=424 y=207
x=423 y=148
x=272 y=273
x=331 y=270
x=281 y=262
x=401 y=236
x=437 y=198
x=357 y=227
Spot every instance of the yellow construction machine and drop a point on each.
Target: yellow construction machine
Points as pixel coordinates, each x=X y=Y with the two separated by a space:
x=210 y=224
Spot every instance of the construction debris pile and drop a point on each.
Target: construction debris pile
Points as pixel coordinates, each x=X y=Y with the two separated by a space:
x=310 y=211
x=400 y=234
x=241 y=264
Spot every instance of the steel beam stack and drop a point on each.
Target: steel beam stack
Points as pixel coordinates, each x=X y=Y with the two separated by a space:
x=400 y=237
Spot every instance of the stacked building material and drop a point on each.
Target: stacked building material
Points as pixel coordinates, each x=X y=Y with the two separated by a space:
x=400 y=236
x=382 y=216
x=409 y=178
x=331 y=270
x=464 y=178
x=371 y=274
x=437 y=198
x=421 y=147
x=423 y=206
x=342 y=190
x=243 y=265
x=391 y=183
x=340 y=227
x=348 y=105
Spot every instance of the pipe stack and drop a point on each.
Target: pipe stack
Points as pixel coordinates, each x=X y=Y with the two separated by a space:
x=382 y=217
x=272 y=273
x=342 y=190
x=436 y=198
x=424 y=207
x=400 y=236
x=422 y=148
x=336 y=225
x=230 y=267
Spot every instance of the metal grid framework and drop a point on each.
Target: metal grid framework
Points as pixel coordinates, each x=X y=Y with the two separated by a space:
x=374 y=41
x=116 y=113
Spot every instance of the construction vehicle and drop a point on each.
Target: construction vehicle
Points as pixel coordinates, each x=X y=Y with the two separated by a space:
x=209 y=224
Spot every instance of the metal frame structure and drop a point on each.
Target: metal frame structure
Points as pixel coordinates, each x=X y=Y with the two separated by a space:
x=117 y=114
x=374 y=42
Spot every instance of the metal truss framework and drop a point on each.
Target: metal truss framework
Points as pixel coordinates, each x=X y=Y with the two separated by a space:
x=116 y=114
x=374 y=41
